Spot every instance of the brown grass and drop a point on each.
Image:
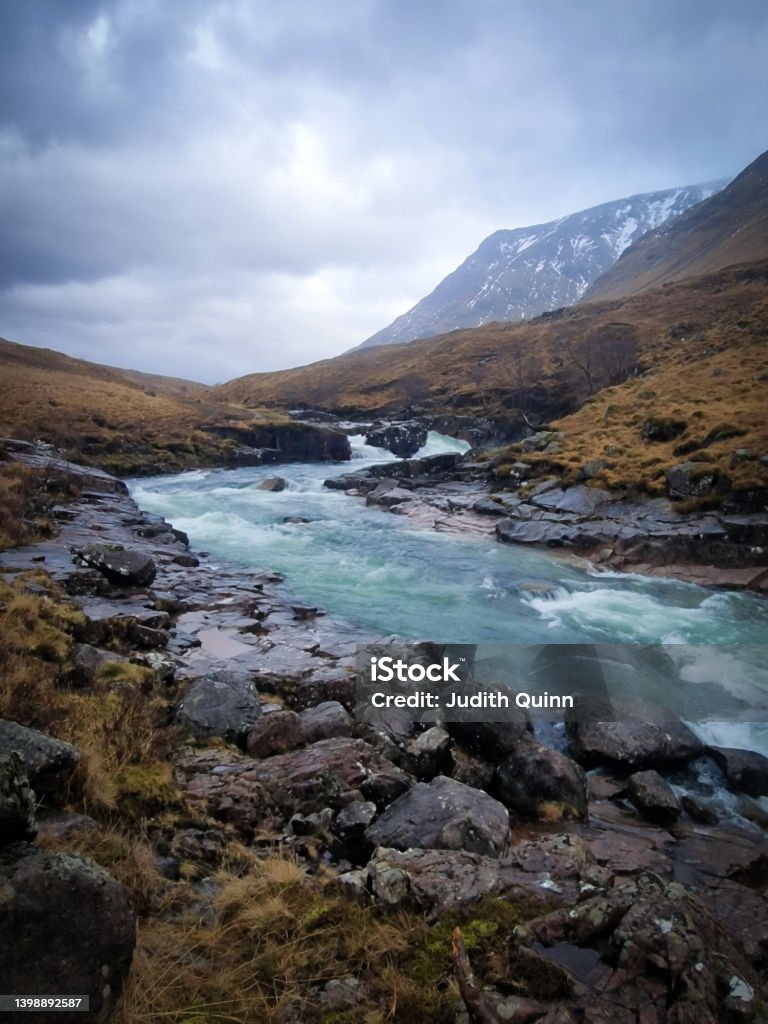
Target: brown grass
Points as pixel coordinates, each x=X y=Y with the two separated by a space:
x=111 y=418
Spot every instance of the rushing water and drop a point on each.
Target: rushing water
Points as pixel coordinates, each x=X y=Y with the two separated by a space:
x=387 y=574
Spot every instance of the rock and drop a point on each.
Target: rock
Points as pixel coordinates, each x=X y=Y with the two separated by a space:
x=17 y=801
x=746 y=770
x=637 y=736
x=426 y=755
x=223 y=703
x=247 y=792
x=692 y=480
x=120 y=565
x=443 y=815
x=404 y=438
x=653 y=797
x=295 y=520
x=186 y=561
x=348 y=830
x=271 y=483
x=48 y=763
x=662 y=428
x=431 y=879
x=87 y=661
x=646 y=950
x=471 y=770
x=703 y=812
x=388 y=496
x=275 y=733
x=540 y=783
x=324 y=721
x=492 y=740
x=68 y=927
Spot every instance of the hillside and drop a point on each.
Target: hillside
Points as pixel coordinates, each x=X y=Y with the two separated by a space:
x=730 y=227
x=518 y=274
x=693 y=352
x=123 y=421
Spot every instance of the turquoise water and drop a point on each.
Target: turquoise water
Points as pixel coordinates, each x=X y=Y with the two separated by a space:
x=387 y=574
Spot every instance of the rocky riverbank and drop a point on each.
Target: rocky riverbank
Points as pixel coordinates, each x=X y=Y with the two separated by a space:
x=726 y=547
x=586 y=889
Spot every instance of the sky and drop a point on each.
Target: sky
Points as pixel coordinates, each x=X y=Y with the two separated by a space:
x=210 y=188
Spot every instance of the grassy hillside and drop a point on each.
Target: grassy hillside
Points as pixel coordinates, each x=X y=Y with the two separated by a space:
x=730 y=227
x=122 y=421
x=694 y=352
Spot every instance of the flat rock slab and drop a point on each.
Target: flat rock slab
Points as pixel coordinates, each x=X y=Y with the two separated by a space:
x=121 y=565
x=443 y=815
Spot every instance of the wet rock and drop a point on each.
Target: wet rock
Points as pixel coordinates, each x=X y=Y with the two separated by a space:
x=388 y=496
x=186 y=561
x=68 y=927
x=537 y=782
x=271 y=483
x=324 y=721
x=653 y=797
x=17 y=801
x=351 y=482
x=223 y=703
x=492 y=740
x=745 y=770
x=404 y=438
x=657 y=955
x=120 y=565
x=48 y=763
x=636 y=736
x=348 y=830
x=703 y=812
x=443 y=815
x=274 y=733
x=601 y=786
x=471 y=770
x=426 y=755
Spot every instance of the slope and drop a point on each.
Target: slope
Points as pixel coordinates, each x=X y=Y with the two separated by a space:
x=518 y=274
x=730 y=227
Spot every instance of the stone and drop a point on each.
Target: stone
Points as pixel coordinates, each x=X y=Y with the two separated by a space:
x=324 y=721
x=691 y=480
x=47 y=762
x=492 y=740
x=426 y=754
x=653 y=797
x=348 y=831
x=431 y=879
x=274 y=733
x=745 y=770
x=223 y=703
x=403 y=438
x=443 y=815
x=17 y=801
x=636 y=736
x=271 y=483
x=537 y=782
x=68 y=927
x=388 y=496
x=703 y=812
x=123 y=566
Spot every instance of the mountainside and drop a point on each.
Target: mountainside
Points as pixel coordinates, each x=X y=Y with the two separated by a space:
x=518 y=274
x=730 y=227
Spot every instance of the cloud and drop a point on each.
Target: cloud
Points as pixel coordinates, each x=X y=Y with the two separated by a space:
x=226 y=186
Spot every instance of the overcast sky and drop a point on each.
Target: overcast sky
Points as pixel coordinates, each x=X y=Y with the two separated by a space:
x=207 y=188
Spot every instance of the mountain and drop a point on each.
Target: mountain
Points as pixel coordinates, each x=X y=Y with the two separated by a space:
x=730 y=227
x=518 y=274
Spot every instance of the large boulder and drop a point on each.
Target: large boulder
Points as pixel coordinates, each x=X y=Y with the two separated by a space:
x=48 y=763
x=653 y=797
x=403 y=439
x=537 y=782
x=635 y=736
x=123 y=566
x=324 y=721
x=746 y=770
x=68 y=927
x=223 y=703
x=492 y=740
x=443 y=815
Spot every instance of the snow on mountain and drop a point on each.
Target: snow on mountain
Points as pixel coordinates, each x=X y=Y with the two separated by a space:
x=517 y=274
